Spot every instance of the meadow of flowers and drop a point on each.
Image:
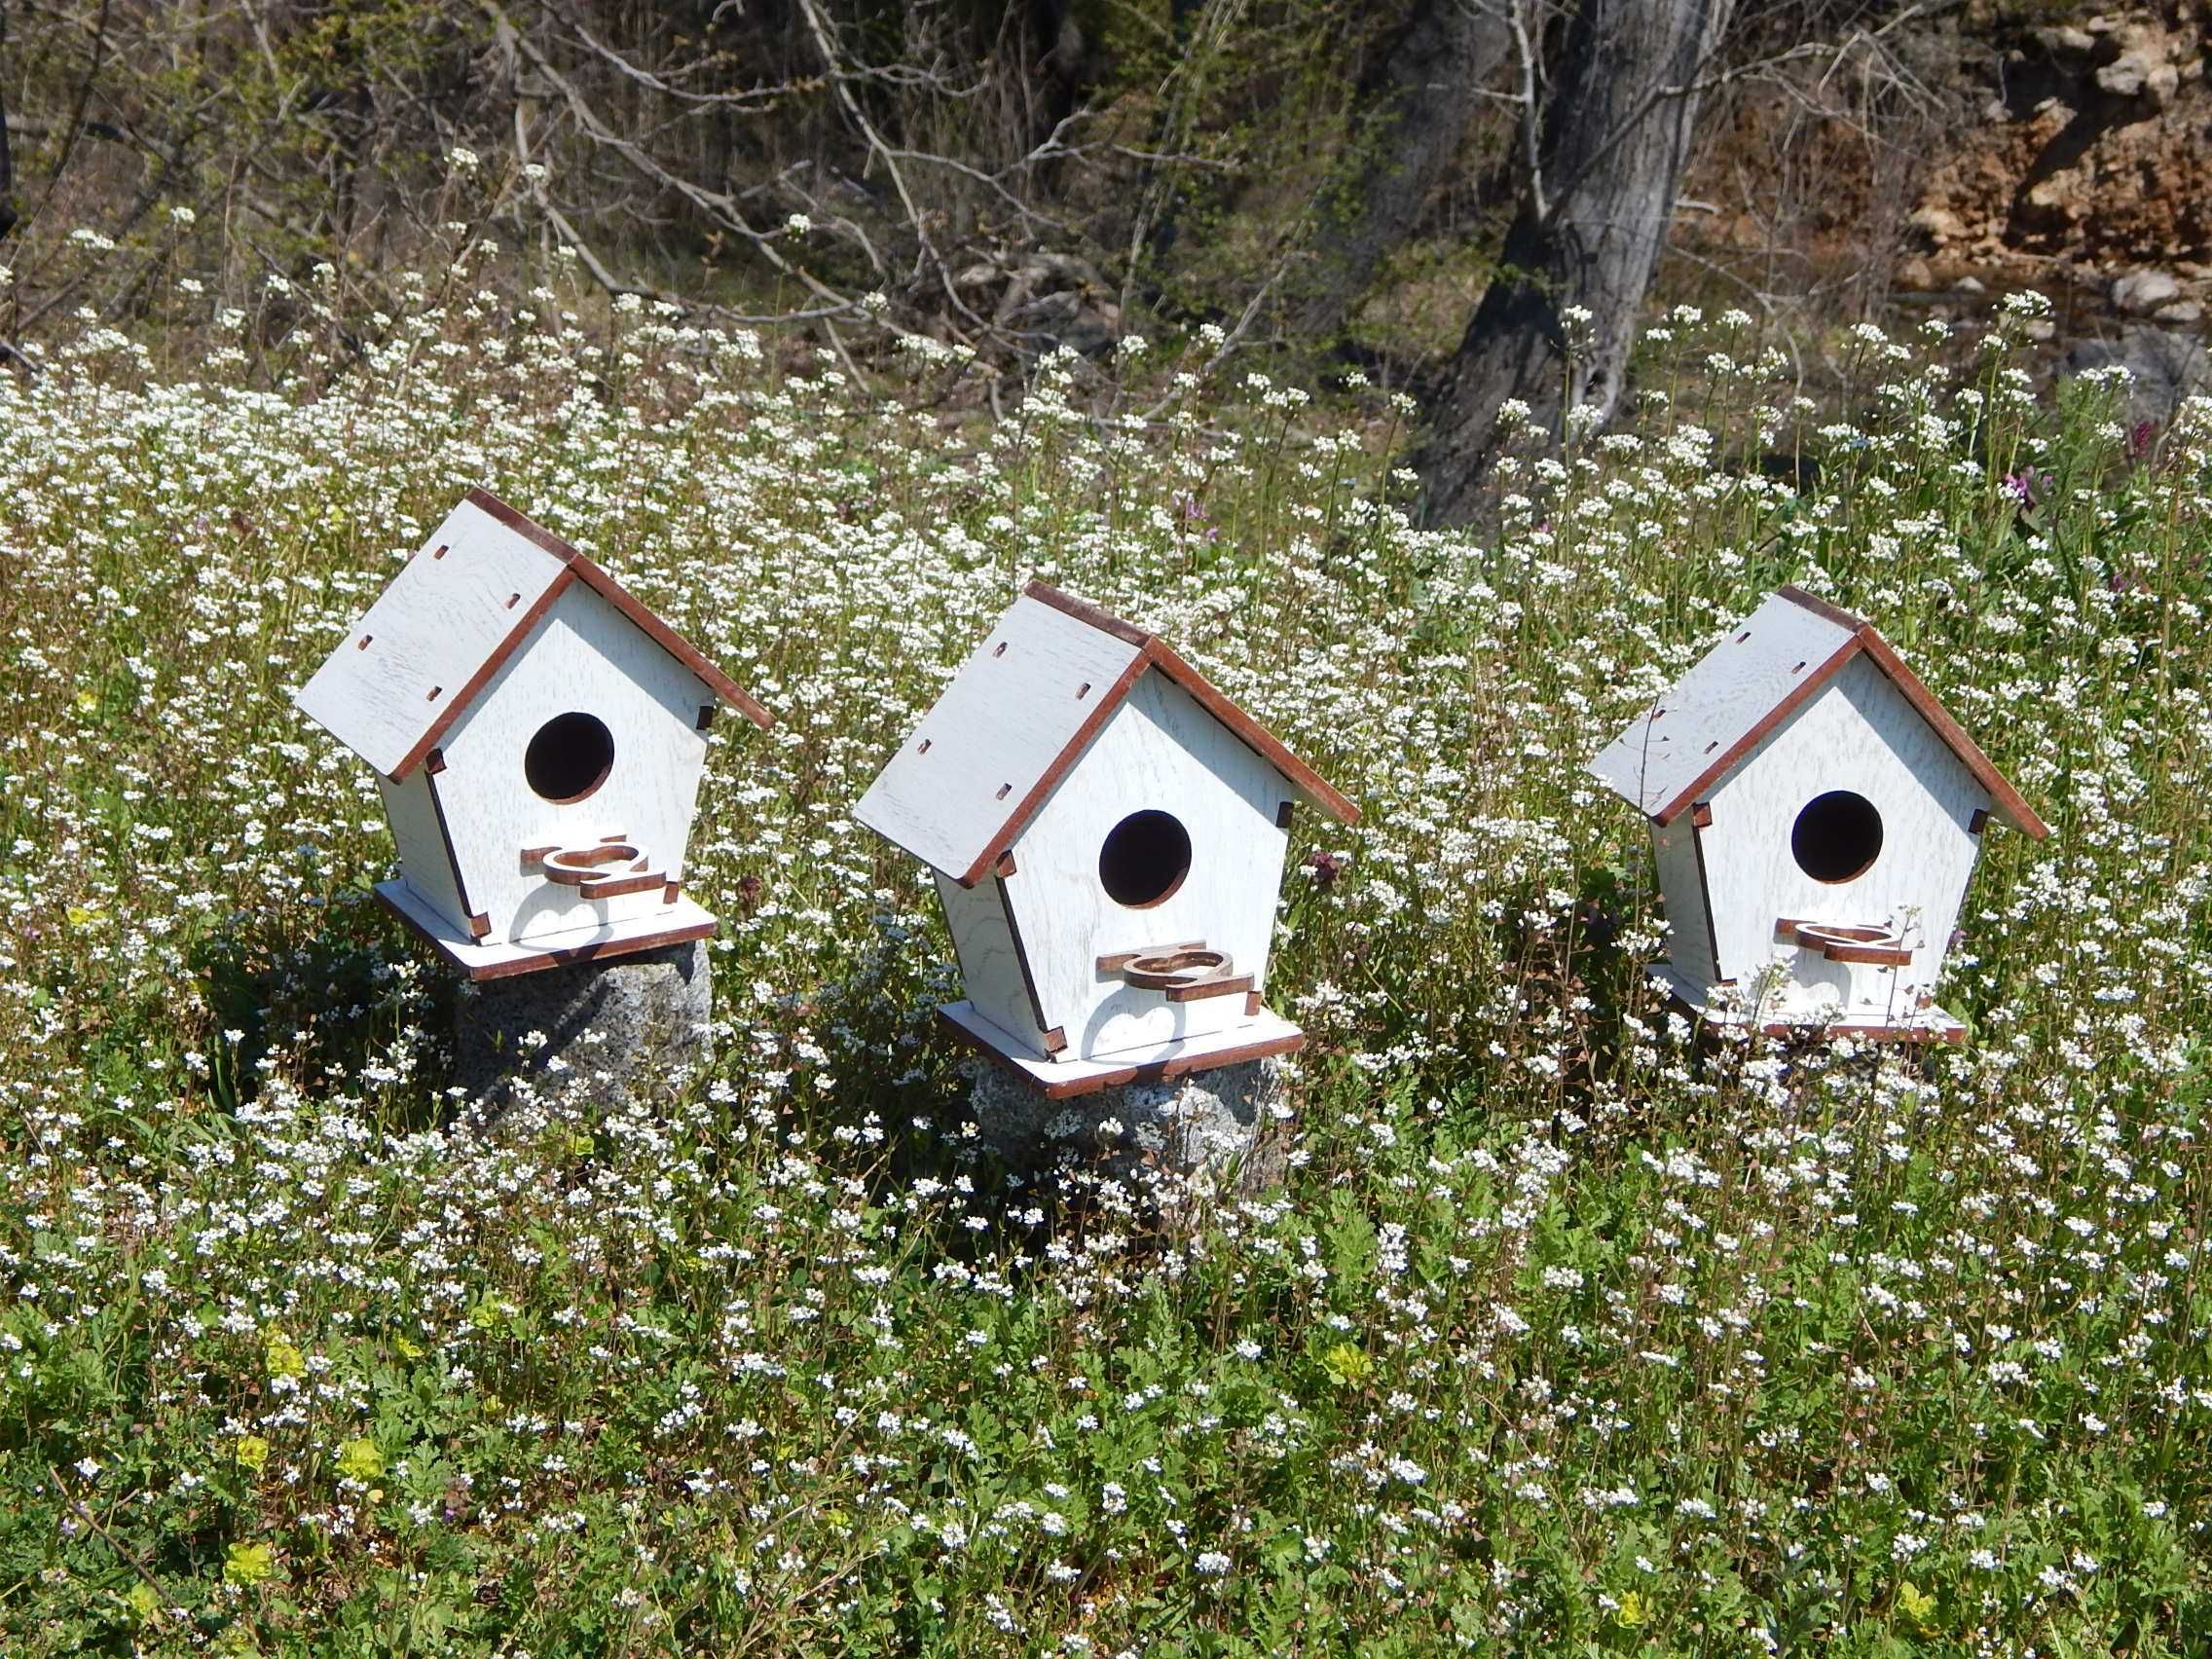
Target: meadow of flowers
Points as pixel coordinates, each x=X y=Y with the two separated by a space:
x=1567 y=1331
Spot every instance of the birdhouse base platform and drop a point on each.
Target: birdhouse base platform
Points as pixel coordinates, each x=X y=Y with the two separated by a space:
x=496 y=959
x=1263 y=1035
x=1776 y=1017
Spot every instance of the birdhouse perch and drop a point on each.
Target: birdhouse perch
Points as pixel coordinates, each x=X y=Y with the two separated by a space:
x=1108 y=834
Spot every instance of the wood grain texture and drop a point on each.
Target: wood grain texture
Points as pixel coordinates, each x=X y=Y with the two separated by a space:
x=1861 y=734
x=1255 y=736
x=1260 y=740
x=436 y=623
x=583 y=655
x=425 y=862
x=1708 y=718
x=1007 y=719
x=1682 y=885
x=1749 y=685
x=990 y=964
x=669 y=639
x=1016 y=721
x=445 y=626
x=2007 y=801
x=1162 y=751
x=494 y=959
x=1065 y=1079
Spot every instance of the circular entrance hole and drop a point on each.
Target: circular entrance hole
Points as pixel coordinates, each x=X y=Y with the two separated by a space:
x=1144 y=859
x=1837 y=836
x=570 y=757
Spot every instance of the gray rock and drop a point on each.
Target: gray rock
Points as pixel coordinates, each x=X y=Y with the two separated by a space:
x=1939 y=223
x=2166 y=367
x=2140 y=65
x=2181 y=314
x=1202 y=1132
x=2144 y=291
x=588 y=1036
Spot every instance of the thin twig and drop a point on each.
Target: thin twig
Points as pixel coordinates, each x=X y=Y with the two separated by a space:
x=161 y=1597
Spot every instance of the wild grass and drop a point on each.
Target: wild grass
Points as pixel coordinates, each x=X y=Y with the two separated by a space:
x=1567 y=1332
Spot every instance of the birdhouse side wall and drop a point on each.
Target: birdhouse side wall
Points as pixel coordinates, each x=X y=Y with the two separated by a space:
x=1682 y=885
x=584 y=657
x=425 y=862
x=1858 y=734
x=1160 y=752
x=990 y=958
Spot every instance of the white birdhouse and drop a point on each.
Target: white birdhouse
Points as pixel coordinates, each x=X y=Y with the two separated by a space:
x=1816 y=814
x=538 y=738
x=1108 y=834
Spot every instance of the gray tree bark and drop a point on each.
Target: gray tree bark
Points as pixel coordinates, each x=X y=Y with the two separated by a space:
x=1600 y=194
x=7 y=162
x=1422 y=87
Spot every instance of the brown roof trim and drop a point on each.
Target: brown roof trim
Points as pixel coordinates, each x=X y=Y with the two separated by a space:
x=1255 y=736
x=1798 y=695
x=1819 y=607
x=457 y=704
x=1865 y=638
x=1083 y=610
x=671 y=642
x=1062 y=763
x=1157 y=653
x=529 y=529
x=2008 y=798
x=605 y=585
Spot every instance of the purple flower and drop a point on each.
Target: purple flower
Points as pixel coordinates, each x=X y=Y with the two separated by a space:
x=2027 y=486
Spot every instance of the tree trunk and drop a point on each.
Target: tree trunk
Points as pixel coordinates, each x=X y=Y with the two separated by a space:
x=7 y=162
x=1423 y=88
x=1594 y=215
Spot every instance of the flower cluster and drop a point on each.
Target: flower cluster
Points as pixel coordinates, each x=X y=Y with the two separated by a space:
x=1564 y=1328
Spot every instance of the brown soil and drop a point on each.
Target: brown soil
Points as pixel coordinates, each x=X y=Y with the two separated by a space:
x=2039 y=144
x=2097 y=149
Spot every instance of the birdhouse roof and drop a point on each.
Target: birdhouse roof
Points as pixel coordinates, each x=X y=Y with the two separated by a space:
x=1018 y=718
x=457 y=612
x=1750 y=683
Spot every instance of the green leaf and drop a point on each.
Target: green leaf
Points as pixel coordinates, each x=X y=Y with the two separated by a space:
x=360 y=1460
x=248 y=1564
x=1347 y=1364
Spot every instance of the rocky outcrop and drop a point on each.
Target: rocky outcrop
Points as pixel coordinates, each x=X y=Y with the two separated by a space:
x=2097 y=149
x=2164 y=366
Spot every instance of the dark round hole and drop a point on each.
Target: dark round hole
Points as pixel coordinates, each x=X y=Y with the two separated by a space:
x=570 y=757
x=1837 y=836
x=1145 y=859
